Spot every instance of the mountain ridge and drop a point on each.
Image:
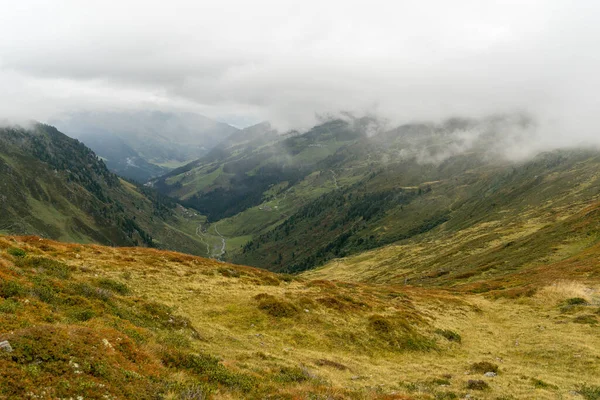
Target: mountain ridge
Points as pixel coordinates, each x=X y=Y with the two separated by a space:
x=56 y=186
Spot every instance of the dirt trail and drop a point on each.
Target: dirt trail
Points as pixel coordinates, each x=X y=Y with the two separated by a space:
x=223 y=242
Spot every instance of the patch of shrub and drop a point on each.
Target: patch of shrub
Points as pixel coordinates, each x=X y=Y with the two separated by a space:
x=576 y=301
x=449 y=335
x=439 y=381
x=11 y=289
x=477 y=384
x=399 y=335
x=342 y=303
x=16 y=252
x=9 y=306
x=176 y=339
x=483 y=367
x=540 y=384
x=46 y=266
x=81 y=314
x=275 y=307
x=446 y=396
x=291 y=375
x=114 y=286
x=60 y=360
x=229 y=272
x=45 y=292
x=162 y=315
x=323 y=362
x=589 y=392
x=268 y=280
x=193 y=392
x=586 y=319
x=208 y=368
x=85 y=290
x=573 y=304
x=381 y=325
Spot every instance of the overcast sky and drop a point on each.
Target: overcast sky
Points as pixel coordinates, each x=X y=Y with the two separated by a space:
x=286 y=61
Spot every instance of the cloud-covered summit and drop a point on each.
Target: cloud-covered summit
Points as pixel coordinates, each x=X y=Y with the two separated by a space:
x=288 y=61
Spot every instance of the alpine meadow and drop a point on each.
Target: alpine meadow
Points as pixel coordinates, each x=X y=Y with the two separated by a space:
x=299 y=200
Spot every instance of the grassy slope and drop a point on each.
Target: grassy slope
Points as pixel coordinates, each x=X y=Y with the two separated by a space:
x=493 y=255
x=55 y=187
x=98 y=322
x=415 y=205
x=243 y=169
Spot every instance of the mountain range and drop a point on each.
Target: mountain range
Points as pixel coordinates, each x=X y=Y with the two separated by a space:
x=140 y=145
x=348 y=261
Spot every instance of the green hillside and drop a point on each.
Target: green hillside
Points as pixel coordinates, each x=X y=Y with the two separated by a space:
x=54 y=186
x=236 y=175
x=294 y=202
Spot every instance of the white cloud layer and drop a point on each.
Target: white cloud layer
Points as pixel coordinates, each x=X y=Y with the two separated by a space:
x=286 y=61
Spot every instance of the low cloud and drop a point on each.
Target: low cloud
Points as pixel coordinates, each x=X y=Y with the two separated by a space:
x=289 y=62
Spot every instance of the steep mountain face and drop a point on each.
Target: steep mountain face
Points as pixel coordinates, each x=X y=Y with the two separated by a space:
x=155 y=141
x=56 y=187
x=124 y=160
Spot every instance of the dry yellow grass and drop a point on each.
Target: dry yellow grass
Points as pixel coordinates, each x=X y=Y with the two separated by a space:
x=541 y=352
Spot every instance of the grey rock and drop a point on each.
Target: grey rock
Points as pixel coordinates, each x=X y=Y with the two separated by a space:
x=490 y=374
x=6 y=346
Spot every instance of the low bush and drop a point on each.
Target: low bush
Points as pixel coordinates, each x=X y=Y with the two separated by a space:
x=229 y=272
x=449 y=335
x=477 y=384
x=328 y=363
x=91 y=292
x=586 y=319
x=446 y=396
x=275 y=307
x=483 y=367
x=589 y=392
x=11 y=289
x=540 y=384
x=46 y=266
x=45 y=291
x=575 y=301
x=291 y=375
x=114 y=286
x=399 y=334
x=381 y=325
x=9 y=306
x=81 y=314
x=208 y=368
x=16 y=252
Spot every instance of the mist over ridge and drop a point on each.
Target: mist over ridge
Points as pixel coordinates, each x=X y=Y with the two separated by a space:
x=288 y=62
